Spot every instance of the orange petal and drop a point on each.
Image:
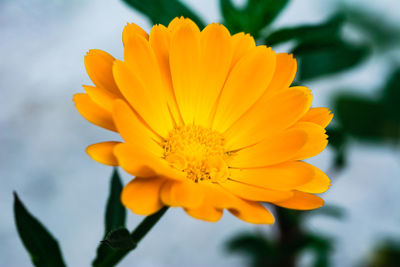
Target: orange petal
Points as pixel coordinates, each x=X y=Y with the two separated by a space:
x=185 y=194
x=93 y=113
x=255 y=193
x=149 y=103
x=99 y=68
x=242 y=43
x=131 y=29
x=285 y=71
x=205 y=213
x=285 y=176
x=302 y=201
x=252 y=212
x=160 y=39
x=248 y=211
x=177 y=22
x=316 y=140
x=142 y=61
x=215 y=62
x=320 y=116
x=101 y=97
x=273 y=150
x=142 y=196
x=140 y=162
x=246 y=83
x=318 y=184
x=184 y=64
x=103 y=153
x=133 y=130
x=269 y=116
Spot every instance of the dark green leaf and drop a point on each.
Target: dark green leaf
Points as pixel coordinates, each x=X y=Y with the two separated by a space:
x=320 y=58
x=41 y=245
x=249 y=243
x=309 y=33
x=259 y=250
x=111 y=257
x=360 y=117
x=115 y=214
x=391 y=96
x=337 y=138
x=253 y=17
x=163 y=11
x=321 y=246
x=234 y=19
x=381 y=32
x=119 y=239
x=115 y=211
x=386 y=254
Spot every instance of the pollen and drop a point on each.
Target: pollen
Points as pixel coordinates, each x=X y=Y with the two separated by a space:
x=197 y=151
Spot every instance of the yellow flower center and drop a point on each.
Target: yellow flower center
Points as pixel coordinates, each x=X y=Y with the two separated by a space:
x=197 y=151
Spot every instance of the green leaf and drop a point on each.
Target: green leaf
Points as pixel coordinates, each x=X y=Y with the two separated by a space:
x=329 y=30
x=337 y=138
x=360 y=117
x=253 y=17
x=115 y=216
x=163 y=11
x=386 y=253
x=380 y=30
x=259 y=250
x=41 y=245
x=323 y=58
x=119 y=239
x=391 y=96
x=320 y=49
x=321 y=246
x=111 y=257
x=115 y=211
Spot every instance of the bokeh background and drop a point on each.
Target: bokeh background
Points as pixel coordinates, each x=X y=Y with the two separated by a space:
x=42 y=137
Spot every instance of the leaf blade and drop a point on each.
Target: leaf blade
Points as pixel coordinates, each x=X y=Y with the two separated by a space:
x=115 y=216
x=360 y=117
x=308 y=33
x=38 y=241
x=319 y=59
x=253 y=18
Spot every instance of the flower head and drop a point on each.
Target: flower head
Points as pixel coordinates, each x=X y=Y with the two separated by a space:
x=209 y=122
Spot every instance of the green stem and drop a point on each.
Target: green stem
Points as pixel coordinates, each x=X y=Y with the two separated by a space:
x=141 y=230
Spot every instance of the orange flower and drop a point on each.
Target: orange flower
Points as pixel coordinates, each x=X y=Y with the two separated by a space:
x=208 y=123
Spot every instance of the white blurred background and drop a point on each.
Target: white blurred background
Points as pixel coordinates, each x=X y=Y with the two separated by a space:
x=42 y=141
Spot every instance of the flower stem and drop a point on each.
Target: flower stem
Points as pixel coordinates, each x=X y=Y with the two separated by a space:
x=140 y=231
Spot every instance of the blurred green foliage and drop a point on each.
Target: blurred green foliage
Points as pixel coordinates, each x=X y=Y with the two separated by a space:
x=386 y=254
x=324 y=32
x=163 y=11
x=381 y=34
x=292 y=240
x=370 y=119
x=319 y=59
x=320 y=49
x=253 y=17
